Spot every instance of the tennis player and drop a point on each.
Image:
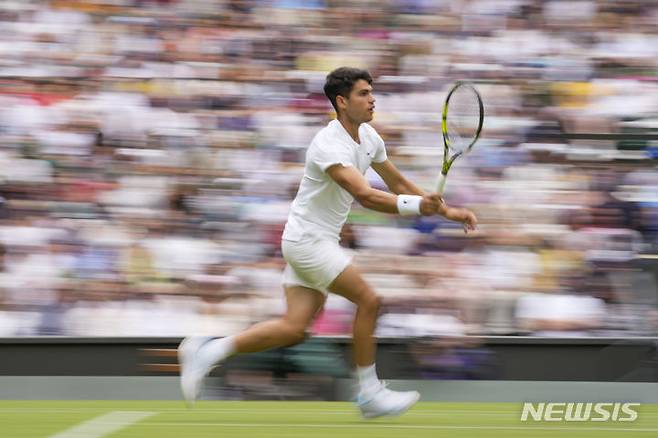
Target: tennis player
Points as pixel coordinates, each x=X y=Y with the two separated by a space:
x=336 y=162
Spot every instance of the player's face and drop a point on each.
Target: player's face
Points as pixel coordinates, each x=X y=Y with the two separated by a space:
x=360 y=106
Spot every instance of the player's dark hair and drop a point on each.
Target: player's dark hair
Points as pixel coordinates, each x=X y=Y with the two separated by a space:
x=340 y=82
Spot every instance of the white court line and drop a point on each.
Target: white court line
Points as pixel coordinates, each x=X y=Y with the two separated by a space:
x=265 y=410
x=104 y=425
x=259 y=410
x=370 y=425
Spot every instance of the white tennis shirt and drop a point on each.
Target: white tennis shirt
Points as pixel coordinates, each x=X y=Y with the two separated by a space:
x=321 y=205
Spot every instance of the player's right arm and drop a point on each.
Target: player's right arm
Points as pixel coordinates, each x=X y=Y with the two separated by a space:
x=351 y=180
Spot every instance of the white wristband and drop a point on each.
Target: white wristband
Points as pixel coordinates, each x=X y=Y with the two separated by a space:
x=409 y=204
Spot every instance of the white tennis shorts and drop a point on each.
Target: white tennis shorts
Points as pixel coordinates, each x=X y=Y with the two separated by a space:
x=313 y=262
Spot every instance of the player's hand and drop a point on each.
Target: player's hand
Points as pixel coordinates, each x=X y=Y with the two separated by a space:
x=431 y=205
x=468 y=220
x=466 y=217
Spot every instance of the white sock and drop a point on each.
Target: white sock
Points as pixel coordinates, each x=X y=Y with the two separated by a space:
x=217 y=350
x=368 y=381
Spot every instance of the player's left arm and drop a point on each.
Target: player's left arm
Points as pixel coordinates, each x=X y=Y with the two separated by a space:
x=395 y=181
x=398 y=184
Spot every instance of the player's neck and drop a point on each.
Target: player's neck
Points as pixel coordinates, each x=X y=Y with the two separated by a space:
x=351 y=127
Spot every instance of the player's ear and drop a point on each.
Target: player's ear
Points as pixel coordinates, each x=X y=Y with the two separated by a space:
x=341 y=102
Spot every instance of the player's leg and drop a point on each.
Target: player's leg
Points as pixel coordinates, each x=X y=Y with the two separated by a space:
x=303 y=304
x=352 y=286
x=198 y=355
x=374 y=399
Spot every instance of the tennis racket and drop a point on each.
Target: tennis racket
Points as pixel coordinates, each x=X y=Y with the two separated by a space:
x=463 y=116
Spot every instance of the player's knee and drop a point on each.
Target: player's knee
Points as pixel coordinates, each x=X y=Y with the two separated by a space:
x=371 y=302
x=294 y=334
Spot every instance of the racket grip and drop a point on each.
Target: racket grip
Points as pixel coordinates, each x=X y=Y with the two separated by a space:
x=441 y=184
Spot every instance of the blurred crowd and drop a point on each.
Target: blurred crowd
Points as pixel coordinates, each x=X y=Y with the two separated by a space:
x=149 y=151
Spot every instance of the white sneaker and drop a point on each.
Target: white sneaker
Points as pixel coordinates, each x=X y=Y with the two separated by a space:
x=387 y=403
x=192 y=371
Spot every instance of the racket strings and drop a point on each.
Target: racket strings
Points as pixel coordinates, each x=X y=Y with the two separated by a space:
x=463 y=118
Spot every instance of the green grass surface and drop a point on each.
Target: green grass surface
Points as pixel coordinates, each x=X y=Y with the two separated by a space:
x=33 y=419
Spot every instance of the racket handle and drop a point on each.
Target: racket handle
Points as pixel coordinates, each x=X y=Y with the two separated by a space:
x=442 y=183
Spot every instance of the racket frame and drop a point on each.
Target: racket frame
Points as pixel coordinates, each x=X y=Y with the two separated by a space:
x=447 y=161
